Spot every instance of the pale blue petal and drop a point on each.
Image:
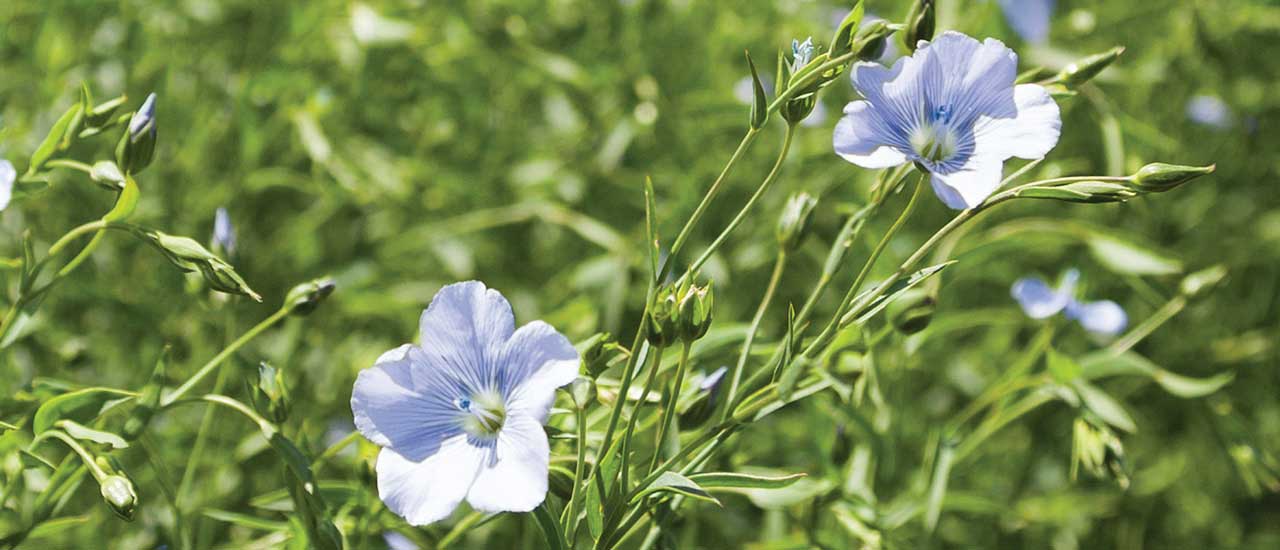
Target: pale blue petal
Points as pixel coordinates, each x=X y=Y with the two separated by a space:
x=970 y=78
x=397 y=541
x=970 y=185
x=861 y=137
x=1209 y=111
x=426 y=491
x=464 y=330
x=1037 y=298
x=7 y=175
x=514 y=478
x=1029 y=18
x=403 y=402
x=1030 y=135
x=536 y=361
x=1103 y=317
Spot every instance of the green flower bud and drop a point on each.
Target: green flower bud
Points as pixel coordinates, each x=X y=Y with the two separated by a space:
x=872 y=39
x=1202 y=281
x=912 y=311
x=919 y=24
x=1159 y=177
x=704 y=401
x=596 y=353
x=694 y=318
x=1084 y=70
x=189 y=255
x=138 y=144
x=662 y=318
x=118 y=493
x=1098 y=450
x=270 y=394
x=583 y=391
x=306 y=297
x=793 y=224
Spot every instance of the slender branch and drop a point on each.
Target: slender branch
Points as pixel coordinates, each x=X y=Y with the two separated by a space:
x=222 y=355
x=779 y=265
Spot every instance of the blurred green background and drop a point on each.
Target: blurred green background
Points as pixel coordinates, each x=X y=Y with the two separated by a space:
x=402 y=145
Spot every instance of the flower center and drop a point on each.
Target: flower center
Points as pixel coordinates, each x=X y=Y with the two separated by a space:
x=483 y=413
x=934 y=140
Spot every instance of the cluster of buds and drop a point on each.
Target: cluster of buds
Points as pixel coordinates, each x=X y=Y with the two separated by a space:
x=1097 y=448
x=920 y=24
x=680 y=314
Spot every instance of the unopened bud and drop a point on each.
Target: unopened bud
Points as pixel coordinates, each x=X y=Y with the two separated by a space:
x=694 y=318
x=583 y=391
x=1203 y=280
x=306 y=297
x=919 y=24
x=1084 y=70
x=270 y=394
x=872 y=39
x=912 y=311
x=704 y=402
x=793 y=224
x=189 y=255
x=138 y=144
x=662 y=318
x=119 y=495
x=1098 y=450
x=1159 y=177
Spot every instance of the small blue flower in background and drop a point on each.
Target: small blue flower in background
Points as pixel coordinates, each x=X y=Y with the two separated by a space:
x=1040 y=301
x=1029 y=18
x=953 y=108
x=460 y=416
x=7 y=175
x=224 y=234
x=1209 y=111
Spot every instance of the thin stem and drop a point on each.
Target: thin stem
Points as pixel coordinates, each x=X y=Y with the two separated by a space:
x=570 y=515
x=72 y=164
x=94 y=469
x=222 y=355
x=1160 y=317
x=669 y=412
x=779 y=265
x=746 y=208
x=635 y=414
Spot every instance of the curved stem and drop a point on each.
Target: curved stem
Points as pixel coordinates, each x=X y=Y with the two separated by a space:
x=746 y=208
x=222 y=355
x=779 y=265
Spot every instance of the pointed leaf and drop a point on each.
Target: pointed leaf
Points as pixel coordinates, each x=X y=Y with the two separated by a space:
x=85 y=433
x=81 y=406
x=760 y=103
x=1129 y=258
x=1105 y=406
x=729 y=481
x=671 y=482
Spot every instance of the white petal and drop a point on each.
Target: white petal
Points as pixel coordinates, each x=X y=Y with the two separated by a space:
x=1037 y=299
x=536 y=361
x=1030 y=135
x=428 y=491
x=7 y=175
x=464 y=328
x=396 y=404
x=970 y=185
x=515 y=478
x=860 y=138
x=1104 y=317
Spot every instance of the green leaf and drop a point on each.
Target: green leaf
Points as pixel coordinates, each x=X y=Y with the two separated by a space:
x=895 y=290
x=760 y=104
x=842 y=43
x=81 y=406
x=1063 y=368
x=1129 y=258
x=938 y=486
x=671 y=482
x=245 y=520
x=1105 y=406
x=85 y=433
x=32 y=460
x=651 y=227
x=729 y=481
x=550 y=528
x=54 y=140
x=1104 y=364
x=801 y=491
x=5 y=426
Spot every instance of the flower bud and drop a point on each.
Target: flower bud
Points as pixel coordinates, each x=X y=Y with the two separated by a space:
x=912 y=311
x=270 y=394
x=793 y=224
x=919 y=24
x=1098 y=449
x=1159 y=177
x=189 y=255
x=306 y=297
x=871 y=40
x=1202 y=281
x=704 y=402
x=597 y=352
x=583 y=391
x=694 y=318
x=662 y=318
x=799 y=106
x=138 y=143
x=118 y=493
x=1084 y=70
x=224 y=234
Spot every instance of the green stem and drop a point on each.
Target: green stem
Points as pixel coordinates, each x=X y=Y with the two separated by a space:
x=779 y=265
x=72 y=164
x=746 y=208
x=222 y=355
x=569 y=516
x=635 y=414
x=71 y=442
x=1160 y=317
x=668 y=414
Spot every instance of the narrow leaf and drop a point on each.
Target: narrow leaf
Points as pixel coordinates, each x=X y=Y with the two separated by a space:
x=1105 y=406
x=81 y=406
x=671 y=482
x=727 y=481
x=85 y=433
x=1128 y=258
x=760 y=105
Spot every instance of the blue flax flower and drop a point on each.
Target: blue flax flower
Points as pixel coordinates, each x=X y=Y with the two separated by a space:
x=224 y=234
x=1040 y=301
x=1029 y=18
x=460 y=416
x=953 y=109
